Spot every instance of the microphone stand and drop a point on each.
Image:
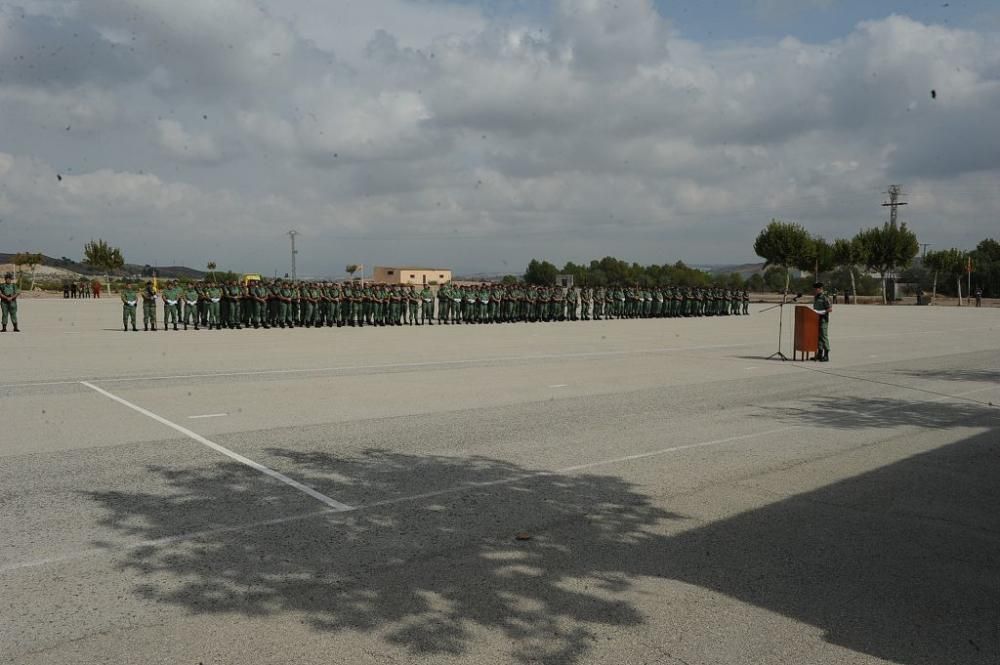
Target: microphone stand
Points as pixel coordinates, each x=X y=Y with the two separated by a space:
x=781 y=321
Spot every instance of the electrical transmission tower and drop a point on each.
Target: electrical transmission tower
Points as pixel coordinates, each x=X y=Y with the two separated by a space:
x=895 y=191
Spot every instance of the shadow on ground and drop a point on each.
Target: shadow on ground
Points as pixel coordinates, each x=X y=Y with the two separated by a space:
x=957 y=374
x=851 y=413
x=900 y=563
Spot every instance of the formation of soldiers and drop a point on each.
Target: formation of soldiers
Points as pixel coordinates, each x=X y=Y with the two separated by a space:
x=287 y=304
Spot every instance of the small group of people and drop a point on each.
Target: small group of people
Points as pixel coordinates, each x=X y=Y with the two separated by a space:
x=8 y=302
x=289 y=304
x=81 y=290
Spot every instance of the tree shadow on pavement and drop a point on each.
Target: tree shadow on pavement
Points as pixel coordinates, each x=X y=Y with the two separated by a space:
x=426 y=574
x=851 y=413
x=957 y=374
x=898 y=563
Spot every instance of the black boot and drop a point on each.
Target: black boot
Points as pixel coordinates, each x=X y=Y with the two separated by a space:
x=16 y=329
x=826 y=356
x=134 y=329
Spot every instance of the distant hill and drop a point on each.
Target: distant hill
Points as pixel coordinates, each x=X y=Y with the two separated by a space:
x=744 y=269
x=179 y=272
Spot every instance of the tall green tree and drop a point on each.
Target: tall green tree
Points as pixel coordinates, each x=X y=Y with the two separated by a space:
x=888 y=249
x=102 y=256
x=541 y=273
x=952 y=263
x=784 y=245
x=31 y=260
x=849 y=254
x=935 y=261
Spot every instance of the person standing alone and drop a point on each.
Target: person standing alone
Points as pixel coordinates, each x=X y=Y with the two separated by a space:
x=822 y=306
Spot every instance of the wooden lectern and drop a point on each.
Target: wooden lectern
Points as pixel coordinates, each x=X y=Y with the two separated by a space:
x=806 y=332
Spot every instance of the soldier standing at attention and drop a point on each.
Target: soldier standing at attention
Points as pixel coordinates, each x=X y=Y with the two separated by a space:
x=149 y=307
x=8 y=301
x=171 y=301
x=214 y=295
x=426 y=298
x=130 y=299
x=823 y=307
x=190 y=300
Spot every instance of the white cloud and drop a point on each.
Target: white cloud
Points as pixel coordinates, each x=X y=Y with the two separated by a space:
x=187 y=146
x=421 y=131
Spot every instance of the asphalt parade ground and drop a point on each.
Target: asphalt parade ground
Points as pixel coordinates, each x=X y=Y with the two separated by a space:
x=648 y=491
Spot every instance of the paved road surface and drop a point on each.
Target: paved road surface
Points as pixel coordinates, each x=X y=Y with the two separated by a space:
x=357 y=496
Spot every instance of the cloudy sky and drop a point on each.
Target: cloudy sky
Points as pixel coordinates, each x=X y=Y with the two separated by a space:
x=480 y=134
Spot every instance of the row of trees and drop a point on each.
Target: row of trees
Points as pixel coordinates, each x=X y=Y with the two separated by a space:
x=610 y=271
x=979 y=268
x=882 y=250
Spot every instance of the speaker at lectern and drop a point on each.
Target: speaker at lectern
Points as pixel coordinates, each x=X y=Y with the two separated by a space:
x=806 y=331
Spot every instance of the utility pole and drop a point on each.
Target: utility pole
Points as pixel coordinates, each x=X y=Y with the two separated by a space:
x=925 y=245
x=895 y=191
x=292 y=235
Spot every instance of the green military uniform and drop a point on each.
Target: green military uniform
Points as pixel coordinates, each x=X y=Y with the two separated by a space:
x=426 y=299
x=8 y=302
x=190 y=299
x=130 y=301
x=213 y=295
x=149 y=307
x=822 y=306
x=171 y=305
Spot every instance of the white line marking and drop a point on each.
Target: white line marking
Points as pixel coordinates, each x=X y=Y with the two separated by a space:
x=209 y=415
x=559 y=385
x=225 y=451
x=168 y=540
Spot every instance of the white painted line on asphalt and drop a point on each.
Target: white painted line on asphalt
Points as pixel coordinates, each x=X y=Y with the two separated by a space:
x=169 y=540
x=159 y=542
x=225 y=451
x=208 y=415
x=559 y=385
x=35 y=563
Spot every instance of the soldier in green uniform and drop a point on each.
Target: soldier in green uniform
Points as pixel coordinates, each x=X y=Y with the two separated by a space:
x=444 y=304
x=572 y=301
x=213 y=298
x=235 y=293
x=8 y=302
x=395 y=298
x=426 y=301
x=189 y=298
x=307 y=305
x=823 y=307
x=335 y=294
x=130 y=301
x=256 y=302
x=171 y=305
x=746 y=302
x=586 y=298
x=149 y=307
